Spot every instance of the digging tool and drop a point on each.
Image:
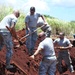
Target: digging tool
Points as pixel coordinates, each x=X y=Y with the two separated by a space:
x=32 y=32
x=14 y=34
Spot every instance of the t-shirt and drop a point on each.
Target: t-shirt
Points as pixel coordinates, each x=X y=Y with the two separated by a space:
x=32 y=19
x=62 y=42
x=47 y=46
x=7 y=21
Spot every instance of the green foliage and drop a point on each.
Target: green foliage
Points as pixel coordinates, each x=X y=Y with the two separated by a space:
x=61 y=26
x=20 y=23
x=4 y=11
x=56 y=24
x=8 y=10
x=48 y=16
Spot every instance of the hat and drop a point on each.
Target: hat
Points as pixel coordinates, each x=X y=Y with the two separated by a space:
x=32 y=8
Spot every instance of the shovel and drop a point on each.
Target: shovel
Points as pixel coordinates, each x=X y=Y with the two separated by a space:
x=30 y=33
x=19 y=40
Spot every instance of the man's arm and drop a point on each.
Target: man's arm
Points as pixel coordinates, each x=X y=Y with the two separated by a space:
x=26 y=24
x=45 y=22
x=36 y=52
x=68 y=47
x=62 y=47
x=27 y=27
x=13 y=30
x=55 y=42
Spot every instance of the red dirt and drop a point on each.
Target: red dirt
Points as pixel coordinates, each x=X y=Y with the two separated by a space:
x=23 y=64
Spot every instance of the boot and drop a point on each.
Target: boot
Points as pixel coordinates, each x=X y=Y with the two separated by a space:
x=9 y=66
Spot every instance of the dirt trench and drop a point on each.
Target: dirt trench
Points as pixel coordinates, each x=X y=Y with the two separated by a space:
x=23 y=64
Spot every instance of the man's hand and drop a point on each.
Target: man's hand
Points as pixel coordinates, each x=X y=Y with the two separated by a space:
x=45 y=23
x=29 y=31
x=61 y=48
x=9 y=29
x=32 y=56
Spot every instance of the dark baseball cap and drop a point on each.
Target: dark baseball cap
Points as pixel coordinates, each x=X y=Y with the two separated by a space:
x=32 y=8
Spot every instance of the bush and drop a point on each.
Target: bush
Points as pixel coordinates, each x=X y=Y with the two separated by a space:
x=56 y=24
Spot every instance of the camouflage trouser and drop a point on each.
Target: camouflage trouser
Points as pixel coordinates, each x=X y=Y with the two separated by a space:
x=48 y=66
x=31 y=40
x=64 y=55
x=7 y=40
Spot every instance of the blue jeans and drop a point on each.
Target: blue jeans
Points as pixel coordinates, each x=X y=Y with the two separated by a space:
x=7 y=40
x=47 y=66
x=64 y=55
x=31 y=40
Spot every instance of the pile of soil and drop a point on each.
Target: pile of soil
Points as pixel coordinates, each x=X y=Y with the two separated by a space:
x=23 y=64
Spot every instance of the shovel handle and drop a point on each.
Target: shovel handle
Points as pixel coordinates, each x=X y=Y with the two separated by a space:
x=10 y=29
x=32 y=32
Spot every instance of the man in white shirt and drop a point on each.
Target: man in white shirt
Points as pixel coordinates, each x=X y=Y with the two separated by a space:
x=48 y=63
x=64 y=45
x=10 y=21
x=31 y=20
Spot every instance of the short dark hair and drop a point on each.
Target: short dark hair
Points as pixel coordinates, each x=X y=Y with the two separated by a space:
x=62 y=33
x=32 y=8
x=42 y=34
